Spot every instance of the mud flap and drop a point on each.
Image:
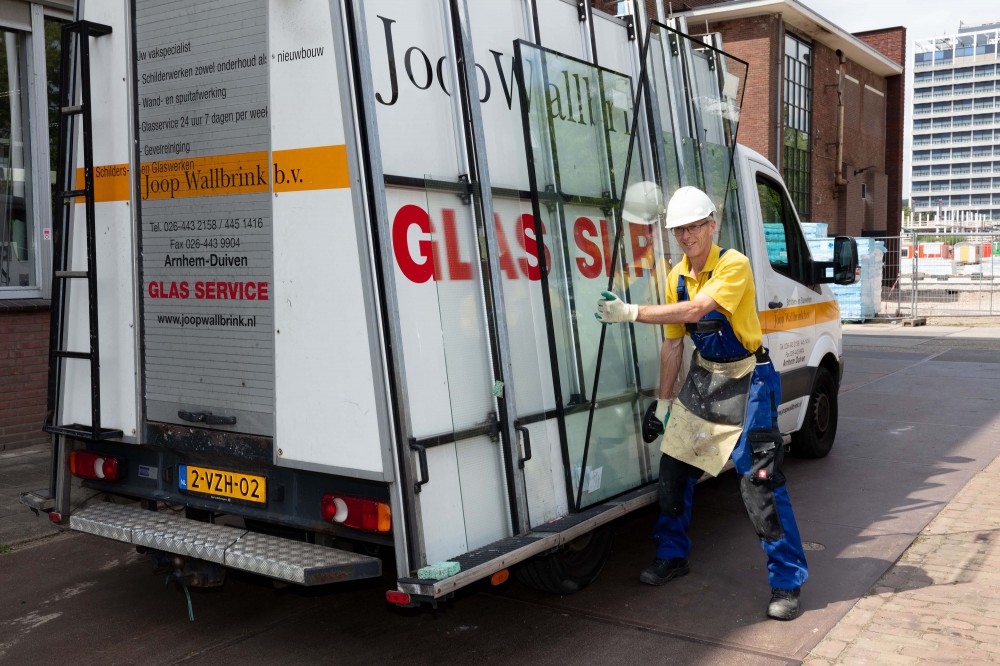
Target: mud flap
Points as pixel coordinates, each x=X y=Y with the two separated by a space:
x=757 y=487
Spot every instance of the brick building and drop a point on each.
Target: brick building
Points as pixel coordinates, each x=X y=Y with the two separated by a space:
x=30 y=62
x=791 y=107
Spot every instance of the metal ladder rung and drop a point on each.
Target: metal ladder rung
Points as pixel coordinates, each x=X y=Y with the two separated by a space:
x=72 y=274
x=78 y=431
x=89 y=28
x=71 y=110
x=62 y=353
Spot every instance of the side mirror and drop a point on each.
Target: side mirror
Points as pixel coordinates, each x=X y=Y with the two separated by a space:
x=844 y=267
x=845 y=260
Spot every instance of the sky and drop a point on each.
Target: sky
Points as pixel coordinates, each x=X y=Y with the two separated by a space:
x=922 y=19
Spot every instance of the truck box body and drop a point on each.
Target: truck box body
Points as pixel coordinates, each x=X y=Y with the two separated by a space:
x=349 y=251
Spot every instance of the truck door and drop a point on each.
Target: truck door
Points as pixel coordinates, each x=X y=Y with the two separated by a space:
x=790 y=308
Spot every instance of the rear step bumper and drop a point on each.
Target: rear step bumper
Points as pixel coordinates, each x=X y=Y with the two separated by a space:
x=485 y=561
x=235 y=548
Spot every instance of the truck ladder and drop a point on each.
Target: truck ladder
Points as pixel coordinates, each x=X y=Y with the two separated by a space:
x=67 y=193
x=56 y=496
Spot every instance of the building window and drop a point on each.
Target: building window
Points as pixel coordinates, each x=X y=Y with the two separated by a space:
x=797 y=120
x=17 y=251
x=53 y=52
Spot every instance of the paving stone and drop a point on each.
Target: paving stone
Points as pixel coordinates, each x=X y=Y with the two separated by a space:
x=829 y=649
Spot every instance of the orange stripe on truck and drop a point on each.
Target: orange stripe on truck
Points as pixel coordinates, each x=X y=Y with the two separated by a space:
x=294 y=170
x=111 y=183
x=320 y=168
x=786 y=319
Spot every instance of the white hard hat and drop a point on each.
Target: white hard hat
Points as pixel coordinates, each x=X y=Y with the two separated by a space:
x=643 y=203
x=689 y=204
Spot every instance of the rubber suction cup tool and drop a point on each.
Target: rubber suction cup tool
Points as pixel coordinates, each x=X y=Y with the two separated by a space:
x=652 y=427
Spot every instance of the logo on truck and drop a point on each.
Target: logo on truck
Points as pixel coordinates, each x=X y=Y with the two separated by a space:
x=418 y=252
x=571 y=98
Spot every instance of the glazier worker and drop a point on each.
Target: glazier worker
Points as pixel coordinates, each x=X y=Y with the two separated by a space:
x=727 y=407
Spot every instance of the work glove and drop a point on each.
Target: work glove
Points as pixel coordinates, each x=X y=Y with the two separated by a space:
x=663 y=410
x=613 y=310
x=654 y=423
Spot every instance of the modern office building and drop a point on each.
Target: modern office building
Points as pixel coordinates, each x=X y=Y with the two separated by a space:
x=956 y=129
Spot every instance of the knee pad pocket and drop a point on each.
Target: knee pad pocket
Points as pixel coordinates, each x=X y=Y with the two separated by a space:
x=757 y=487
x=759 y=502
x=672 y=485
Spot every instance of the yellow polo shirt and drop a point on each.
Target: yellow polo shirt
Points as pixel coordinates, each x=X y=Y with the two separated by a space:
x=731 y=286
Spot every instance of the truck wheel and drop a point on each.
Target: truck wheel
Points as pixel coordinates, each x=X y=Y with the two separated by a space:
x=572 y=567
x=815 y=438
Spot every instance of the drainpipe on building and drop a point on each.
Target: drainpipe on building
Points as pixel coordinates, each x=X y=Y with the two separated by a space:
x=841 y=72
x=779 y=143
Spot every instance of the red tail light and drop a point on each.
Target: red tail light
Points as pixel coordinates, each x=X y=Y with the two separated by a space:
x=398 y=598
x=87 y=465
x=357 y=512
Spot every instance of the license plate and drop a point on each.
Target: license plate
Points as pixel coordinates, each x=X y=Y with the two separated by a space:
x=220 y=483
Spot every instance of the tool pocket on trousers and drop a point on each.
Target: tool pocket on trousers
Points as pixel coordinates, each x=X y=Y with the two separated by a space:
x=757 y=487
x=767 y=453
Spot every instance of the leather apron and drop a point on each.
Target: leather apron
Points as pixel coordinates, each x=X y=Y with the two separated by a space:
x=707 y=418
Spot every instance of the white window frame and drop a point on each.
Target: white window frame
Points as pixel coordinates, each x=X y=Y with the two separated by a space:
x=37 y=161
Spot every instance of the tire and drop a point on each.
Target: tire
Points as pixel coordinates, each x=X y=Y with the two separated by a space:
x=572 y=567
x=815 y=438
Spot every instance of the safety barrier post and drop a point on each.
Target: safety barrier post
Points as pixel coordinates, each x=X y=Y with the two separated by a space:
x=913 y=276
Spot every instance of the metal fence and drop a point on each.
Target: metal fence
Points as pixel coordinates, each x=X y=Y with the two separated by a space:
x=924 y=275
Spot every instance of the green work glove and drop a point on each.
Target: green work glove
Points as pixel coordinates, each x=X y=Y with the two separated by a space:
x=654 y=420
x=663 y=410
x=613 y=310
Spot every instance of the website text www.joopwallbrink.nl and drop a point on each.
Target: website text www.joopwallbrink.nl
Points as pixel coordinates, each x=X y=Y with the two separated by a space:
x=237 y=321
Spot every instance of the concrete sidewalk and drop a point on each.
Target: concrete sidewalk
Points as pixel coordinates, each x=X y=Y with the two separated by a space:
x=21 y=471
x=940 y=602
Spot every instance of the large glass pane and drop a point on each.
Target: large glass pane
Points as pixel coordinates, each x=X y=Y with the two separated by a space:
x=580 y=120
x=465 y=362
x=697 y=88
x=450 y=409
x=583 y=156
x=445 y=355
x=17 y=252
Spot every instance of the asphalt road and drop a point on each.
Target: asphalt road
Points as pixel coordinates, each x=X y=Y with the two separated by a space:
x=919 y=418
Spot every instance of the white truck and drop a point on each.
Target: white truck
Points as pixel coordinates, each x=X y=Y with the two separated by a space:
x=336 y=300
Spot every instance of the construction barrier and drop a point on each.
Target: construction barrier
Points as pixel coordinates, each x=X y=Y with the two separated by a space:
x=924 y=275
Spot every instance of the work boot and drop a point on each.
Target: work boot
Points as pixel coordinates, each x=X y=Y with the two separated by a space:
x=784 y=604
x=664 y=571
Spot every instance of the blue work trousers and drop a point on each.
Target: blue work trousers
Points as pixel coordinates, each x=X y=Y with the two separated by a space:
x=757 y=458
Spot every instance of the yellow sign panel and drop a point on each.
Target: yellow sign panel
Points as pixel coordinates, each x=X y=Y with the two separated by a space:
x=296 y=170
x=787 y=319
x=220 y=483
